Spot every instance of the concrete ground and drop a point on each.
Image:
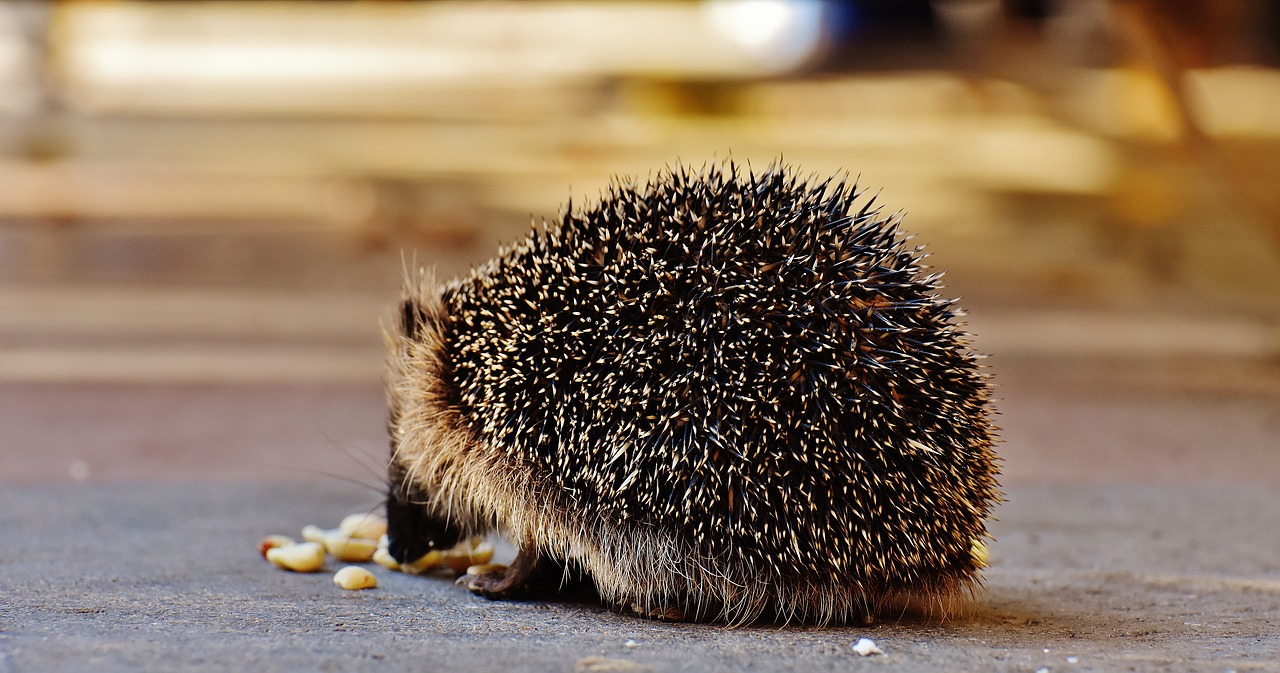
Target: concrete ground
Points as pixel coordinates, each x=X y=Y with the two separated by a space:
x=165 y=577
x=1139 y=534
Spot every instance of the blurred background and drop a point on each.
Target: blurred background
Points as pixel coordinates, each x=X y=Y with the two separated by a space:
x=205 y=208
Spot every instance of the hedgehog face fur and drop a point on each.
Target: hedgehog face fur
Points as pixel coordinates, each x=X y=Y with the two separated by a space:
x=718 y=396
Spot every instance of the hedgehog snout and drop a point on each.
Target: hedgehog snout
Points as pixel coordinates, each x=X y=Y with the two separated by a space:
x=411 y=530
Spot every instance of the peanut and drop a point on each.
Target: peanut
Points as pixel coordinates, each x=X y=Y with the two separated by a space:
x=368 y=526
x=303 y=557
x=355 y=578
x=350 y=549
x=273 y=541
x=981 y=557
x=428 y=561
x=466 y=555
x=383 y=558
x=315 y=534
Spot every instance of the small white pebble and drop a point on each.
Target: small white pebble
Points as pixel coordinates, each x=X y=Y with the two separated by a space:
x=354 y=578
x=1043 y=669
x=370 y=526
x=304 y=557
x=631 y=643
x=866 y=647
x=1072 y=660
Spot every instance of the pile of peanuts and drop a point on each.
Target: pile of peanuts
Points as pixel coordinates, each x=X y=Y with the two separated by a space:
x=361 y=538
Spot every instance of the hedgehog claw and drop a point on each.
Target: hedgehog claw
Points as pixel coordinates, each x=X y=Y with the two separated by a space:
x=492 y=583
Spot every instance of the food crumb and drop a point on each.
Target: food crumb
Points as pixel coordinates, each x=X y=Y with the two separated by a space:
x=866 y=647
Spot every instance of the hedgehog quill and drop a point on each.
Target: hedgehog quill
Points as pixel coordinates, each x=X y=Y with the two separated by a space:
x=719 y=395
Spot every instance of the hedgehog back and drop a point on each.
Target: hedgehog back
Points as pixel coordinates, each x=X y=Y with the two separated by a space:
x=755 y=365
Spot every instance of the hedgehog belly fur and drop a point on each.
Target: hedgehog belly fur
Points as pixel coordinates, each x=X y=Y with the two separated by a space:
x=732 y=396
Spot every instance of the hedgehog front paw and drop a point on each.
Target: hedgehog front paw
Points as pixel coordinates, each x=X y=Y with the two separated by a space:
x=525 y=577
x=493 y=580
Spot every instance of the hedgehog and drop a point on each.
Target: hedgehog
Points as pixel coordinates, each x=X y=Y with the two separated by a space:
x=721 y=395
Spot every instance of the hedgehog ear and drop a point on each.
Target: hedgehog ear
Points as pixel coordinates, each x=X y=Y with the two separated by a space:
x=411 y=319
x=420 y=306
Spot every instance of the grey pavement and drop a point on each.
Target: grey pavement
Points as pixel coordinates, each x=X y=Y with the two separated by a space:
x=165 y=577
